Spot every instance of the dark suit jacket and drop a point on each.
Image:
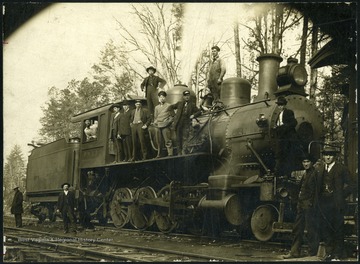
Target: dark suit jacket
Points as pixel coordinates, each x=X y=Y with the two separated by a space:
x=144 y=116
x=124 y=123
x=191 y=109
x=156 y=82
x=308 y=189
x=114 y=126
x=289 y=123
x=17 y=203
x=341 y=183
x=71 y=201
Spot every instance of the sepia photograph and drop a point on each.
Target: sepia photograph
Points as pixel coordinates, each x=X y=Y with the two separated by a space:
x=180 y=131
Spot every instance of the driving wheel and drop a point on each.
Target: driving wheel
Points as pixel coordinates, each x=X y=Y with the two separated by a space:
x=262 y=221
x=163 y=221
x=141 y=214
x=119 y=207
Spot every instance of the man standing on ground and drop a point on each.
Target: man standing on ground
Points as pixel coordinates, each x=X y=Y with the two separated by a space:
x=17 y=207
x=307 y=215
x=66 y=206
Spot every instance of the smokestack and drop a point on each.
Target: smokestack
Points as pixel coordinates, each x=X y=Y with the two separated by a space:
x=268 y=70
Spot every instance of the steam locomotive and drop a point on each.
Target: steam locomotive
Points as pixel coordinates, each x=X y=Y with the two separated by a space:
x=226 y=180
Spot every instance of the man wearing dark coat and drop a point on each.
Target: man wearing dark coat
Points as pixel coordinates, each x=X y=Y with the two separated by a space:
x=287 y=147
x=17 y=207
x=125 y=131
x=66 y=206
x=334 y=188
x=307 y=215
x=114 y=132
x=150 y=85
x=139 y=122
x=182 y=120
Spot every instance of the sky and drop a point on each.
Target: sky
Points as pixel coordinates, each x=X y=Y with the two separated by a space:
x=63 y=41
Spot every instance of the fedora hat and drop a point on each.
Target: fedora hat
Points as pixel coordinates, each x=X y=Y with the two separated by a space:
x=66 y=183
x=281 y=100
x=307 y=156
x=125 y=102
x=216 y=47
x=163 y=93
x=17 y=187
x=330 y=150
x=137 y=101
x=115 y=105
x=150 y=68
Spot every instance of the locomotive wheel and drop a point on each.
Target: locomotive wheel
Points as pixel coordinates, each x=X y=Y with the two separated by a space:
x=119 y=212
x=262 y=220
x=162 y=219
x=141 y=216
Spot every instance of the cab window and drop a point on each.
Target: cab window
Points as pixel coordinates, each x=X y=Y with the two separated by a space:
x=90 y=129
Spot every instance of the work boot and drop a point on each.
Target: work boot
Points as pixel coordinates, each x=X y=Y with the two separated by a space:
x=170 y=151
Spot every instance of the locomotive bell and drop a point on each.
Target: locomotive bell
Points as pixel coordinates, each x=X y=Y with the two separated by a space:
x=175 y=94
x=235 y=91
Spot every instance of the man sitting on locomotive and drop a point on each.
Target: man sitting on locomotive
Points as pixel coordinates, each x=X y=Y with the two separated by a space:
x=163 y=117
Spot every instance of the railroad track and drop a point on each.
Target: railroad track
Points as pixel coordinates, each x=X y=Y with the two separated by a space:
x=39 y=246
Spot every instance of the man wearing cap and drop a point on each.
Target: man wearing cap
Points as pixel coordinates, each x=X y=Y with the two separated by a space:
x=125 y=131
x=334 y=188
x=66 y=206
x=151 y=84
x=17 y=207
x=163 y=118
x=182 y=121
x=287 y=144
x=139 y=122
x=217 y=70
x=307 y=215
x=115 y=132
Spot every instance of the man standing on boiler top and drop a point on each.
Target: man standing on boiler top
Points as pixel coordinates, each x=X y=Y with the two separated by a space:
x=217 y=70
x=151 y=84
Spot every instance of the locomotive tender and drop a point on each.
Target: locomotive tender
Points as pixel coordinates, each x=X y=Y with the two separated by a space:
x=225 y=181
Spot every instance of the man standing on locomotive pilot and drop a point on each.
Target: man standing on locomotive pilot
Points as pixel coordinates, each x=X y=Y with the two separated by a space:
x=66 y=206
x=287 y=150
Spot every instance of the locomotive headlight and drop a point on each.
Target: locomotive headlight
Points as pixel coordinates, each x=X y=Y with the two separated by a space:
x=292 y=78
x=299 y=75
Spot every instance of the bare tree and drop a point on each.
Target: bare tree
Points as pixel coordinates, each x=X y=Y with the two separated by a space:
x=159 y=39
x=237 y=49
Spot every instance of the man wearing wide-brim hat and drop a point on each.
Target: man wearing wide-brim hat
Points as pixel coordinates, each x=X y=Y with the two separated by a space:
x=17 y=206
x=150 y=86
x=114 y=135
x=67 y=207
x=334 y=187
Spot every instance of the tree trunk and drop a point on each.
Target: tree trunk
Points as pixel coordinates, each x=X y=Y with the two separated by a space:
x=237 y=49
x=313 y=73
x=304 y=40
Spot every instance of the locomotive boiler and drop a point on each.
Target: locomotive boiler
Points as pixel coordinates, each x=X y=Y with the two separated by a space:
x=225 y=181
